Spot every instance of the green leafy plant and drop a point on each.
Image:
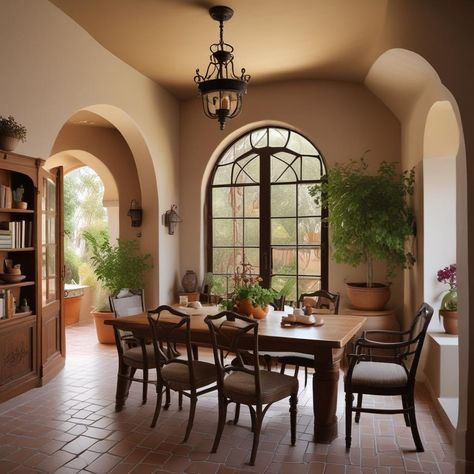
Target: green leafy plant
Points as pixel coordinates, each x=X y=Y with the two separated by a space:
x=17 y=193
x=258 y=295
x=10 y=128
x=368 y=215
x=119 y=266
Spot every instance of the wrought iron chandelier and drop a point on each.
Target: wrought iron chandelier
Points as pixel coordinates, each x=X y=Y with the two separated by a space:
x=220 y=88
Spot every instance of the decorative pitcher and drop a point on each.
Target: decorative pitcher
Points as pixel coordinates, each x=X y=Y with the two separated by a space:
x=190 y=281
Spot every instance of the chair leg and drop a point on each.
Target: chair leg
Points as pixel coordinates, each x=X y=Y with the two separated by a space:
x=159 y=396
x=237 y=413
x=180 y=400
x=359 y=405
x=145 y=386
x=305 y=376
x=220 y=423
x=256 y=434
x=405 y=407
x=192 y=411
x=297 y=368
x=252 y=418
x=414 y=428
x=293 y=412
x=349 y=400
x=283 y=367
x=168 y=399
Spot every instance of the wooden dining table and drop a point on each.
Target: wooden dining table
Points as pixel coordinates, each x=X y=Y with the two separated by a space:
x=325 y=342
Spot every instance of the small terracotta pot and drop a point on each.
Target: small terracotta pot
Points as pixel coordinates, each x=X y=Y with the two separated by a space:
x=450 y=321
x=20 y=205
x=246 y=307
x=105 y=333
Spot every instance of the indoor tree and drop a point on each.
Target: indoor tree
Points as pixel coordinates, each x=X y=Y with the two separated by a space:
x=369 y=215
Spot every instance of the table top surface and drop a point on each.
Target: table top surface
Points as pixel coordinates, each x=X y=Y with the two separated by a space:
x=336 y=331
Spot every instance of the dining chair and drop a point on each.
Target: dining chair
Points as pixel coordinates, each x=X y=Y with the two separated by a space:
x=133 y=353
x=390 y=374
x=246 y=384
x=183 y=375
x=320 y=300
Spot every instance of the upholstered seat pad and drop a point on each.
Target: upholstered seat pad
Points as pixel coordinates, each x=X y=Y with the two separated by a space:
x=379 y=374
x=176 y=375
x=134 y=356
x=240 y=386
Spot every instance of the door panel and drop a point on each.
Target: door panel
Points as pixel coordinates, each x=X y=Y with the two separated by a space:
x=52 y=277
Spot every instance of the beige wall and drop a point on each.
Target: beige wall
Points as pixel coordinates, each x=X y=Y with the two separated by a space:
x=108 y=145
x=54 y=71
x=341 y=119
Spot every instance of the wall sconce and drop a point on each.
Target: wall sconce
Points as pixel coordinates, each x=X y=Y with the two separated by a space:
x=172 y=218
x=135 y=212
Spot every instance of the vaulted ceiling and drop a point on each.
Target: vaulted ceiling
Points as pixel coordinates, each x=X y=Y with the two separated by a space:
x=275 y=40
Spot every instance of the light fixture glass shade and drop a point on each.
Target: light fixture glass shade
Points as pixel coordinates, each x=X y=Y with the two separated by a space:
x=220 y=88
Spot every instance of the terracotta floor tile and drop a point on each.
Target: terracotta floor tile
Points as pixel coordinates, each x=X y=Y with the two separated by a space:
x=70 y=425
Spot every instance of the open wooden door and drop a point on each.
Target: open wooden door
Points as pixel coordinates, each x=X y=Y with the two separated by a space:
x=53 y=350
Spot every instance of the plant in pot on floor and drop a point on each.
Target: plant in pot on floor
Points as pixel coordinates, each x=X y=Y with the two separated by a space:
x=116 y=267
x=369 y=219
x=11 y=133
x=449 y=303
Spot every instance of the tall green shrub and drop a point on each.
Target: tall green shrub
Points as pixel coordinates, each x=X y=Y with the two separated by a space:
x=117 y=266
x=368 y=215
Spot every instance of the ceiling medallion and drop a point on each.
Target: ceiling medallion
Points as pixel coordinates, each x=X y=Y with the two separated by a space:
x=220 y=88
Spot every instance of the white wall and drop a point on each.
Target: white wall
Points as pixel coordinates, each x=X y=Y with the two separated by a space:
x=51 y=69
x=439 y=197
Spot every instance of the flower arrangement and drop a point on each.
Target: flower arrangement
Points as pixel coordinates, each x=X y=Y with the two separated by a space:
x=450 y=299
x=10 y=128
x=247 y=286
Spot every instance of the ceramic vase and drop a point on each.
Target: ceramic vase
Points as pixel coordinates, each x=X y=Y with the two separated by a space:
x=189 y=281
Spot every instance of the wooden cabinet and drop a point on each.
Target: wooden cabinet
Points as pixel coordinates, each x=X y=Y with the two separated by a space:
x=32 y=345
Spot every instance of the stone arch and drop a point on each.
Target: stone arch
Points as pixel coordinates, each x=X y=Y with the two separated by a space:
x=147 y=193
x=410 y=87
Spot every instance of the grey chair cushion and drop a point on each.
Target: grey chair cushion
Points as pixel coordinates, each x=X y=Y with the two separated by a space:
x=176 y=375
x=240 y=387
x=134 y=356
x=379 y=374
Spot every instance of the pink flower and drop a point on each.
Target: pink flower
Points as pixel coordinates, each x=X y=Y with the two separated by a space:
x=448 y=275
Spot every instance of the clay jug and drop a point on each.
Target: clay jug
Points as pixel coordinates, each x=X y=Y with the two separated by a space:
x=189 y=281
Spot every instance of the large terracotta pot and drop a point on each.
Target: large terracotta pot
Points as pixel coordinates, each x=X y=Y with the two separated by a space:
x=246 y=307
x=372 y=299
x=105 y=333
x=450 y=321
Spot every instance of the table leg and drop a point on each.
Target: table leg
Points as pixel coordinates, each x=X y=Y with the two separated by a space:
x=123 y=386
x=325 y=382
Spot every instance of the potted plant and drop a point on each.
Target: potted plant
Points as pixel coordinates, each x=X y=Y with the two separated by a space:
x=250 y=298
x=11 y=133
x=449 y=303
x=17 y=195
x=116 y=267
x=369 y=219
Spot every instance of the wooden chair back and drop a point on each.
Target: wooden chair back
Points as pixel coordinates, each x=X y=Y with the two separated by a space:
x=169 y=325
x=228 y=330
x=322 y=299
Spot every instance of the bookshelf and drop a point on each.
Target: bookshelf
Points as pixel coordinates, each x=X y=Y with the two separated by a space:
x=31 y=326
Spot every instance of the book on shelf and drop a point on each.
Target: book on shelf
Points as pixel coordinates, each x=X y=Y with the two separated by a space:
x=17 y=234
x=6 y=197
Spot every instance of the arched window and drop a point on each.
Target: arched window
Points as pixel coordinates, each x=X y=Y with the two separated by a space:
x=260 y=212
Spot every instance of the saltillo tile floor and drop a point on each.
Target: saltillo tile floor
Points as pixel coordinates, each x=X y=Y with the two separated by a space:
x=70 y=426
